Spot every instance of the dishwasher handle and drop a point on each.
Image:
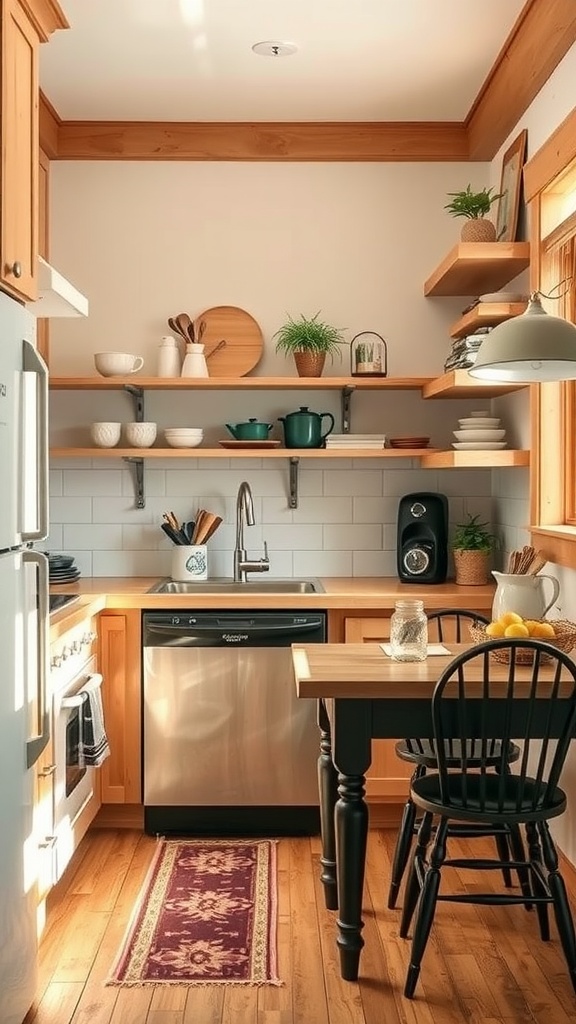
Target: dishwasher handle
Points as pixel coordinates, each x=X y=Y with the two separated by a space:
x=232 y=631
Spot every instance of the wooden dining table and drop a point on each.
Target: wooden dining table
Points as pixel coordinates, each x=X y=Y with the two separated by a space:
x=362 y=694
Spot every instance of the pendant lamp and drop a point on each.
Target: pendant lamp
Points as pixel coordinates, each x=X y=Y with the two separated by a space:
x=528 y=348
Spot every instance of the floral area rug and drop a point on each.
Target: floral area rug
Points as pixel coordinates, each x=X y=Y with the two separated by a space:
x=206 y=915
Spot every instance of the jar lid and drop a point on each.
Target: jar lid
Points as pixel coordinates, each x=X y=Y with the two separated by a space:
x=410 y=605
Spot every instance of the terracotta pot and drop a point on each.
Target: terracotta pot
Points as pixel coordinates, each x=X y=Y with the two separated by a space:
x=472 y=567
x=478 y=229
x=309 y=364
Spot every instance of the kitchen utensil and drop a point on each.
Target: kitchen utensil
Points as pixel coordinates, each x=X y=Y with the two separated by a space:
x=523 y=593
x=117 y=364
x=206 y=528
x=198 y=524
x=188 y=529
x=174 y=327
x=243 y=337
x=184 y=322
x=174 y=525
x=216 y=348
x=213 y=526
x=105 y=435
x=172 y=533
x=252 y=430
x=141 y=435
x=201 y=329
x=303 y=429
x=194 y=364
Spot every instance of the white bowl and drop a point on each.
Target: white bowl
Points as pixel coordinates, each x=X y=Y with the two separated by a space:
x=184 y=442
x=105 y=435
x=188 y=431
x=478 y=446
x=479 y=435
x=486 y=423
x=117 y=364
x=141 y=435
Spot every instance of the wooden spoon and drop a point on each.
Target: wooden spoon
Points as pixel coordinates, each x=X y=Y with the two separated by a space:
x=209 y=523
x=184 y=323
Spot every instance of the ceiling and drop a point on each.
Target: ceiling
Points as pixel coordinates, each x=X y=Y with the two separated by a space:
x=191 y=60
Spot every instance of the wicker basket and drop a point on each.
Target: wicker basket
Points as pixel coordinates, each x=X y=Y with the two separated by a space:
x=564 y=640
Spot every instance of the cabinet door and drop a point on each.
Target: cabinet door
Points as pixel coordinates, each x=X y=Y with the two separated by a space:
x=119 y=640
x=20 y=152
x=387 y=779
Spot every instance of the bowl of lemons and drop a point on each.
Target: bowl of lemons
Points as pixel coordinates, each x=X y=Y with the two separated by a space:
x=559 y=632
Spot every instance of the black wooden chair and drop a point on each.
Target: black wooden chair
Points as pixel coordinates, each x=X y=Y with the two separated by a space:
x=475 y=698
x=450 y=624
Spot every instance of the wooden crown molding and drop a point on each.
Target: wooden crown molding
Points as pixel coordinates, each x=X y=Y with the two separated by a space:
x=46 y=16
x=552 y=158
x=49 y=126
x=541 y=36
x=271 y=141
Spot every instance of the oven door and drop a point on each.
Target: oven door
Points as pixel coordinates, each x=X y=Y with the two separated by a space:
x=74 y=781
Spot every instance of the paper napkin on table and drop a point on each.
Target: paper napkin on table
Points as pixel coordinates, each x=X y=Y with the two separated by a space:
x=430 y=650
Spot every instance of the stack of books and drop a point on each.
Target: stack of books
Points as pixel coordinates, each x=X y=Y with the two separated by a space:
x=356 y=441
x=465 y=350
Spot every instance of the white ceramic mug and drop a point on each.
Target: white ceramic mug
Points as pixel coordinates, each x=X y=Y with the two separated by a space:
x=105 y=435
x=111 y=364
x=189 y=563
x=141 y=435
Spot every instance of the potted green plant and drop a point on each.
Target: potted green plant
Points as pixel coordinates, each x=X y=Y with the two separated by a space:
x=309 y=340
x=474 y=206
x=472 y=546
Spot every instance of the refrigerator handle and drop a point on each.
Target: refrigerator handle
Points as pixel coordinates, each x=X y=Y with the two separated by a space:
x=33 y=363
x=36 y=744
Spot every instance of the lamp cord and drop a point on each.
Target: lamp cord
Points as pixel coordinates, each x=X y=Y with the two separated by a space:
x=546 y=295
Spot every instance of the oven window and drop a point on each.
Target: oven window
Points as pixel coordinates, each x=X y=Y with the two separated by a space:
x=74 y=771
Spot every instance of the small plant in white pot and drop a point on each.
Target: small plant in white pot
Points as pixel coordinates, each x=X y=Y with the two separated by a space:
x=472 y=547
x=309 y=340
x=474 y=206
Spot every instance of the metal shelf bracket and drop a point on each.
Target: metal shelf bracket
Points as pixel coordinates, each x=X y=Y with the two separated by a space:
x=345 y=408
x=137 y=396
x=137 y=466
x=294 y=463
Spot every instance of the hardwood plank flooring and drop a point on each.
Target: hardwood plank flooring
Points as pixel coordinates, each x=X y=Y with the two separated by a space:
x=483 y=965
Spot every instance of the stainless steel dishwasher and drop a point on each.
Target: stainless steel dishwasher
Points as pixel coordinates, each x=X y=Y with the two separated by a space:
x=228 y=747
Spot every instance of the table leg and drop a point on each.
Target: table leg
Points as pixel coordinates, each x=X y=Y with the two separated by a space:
x=351 y=823
x=327 y=787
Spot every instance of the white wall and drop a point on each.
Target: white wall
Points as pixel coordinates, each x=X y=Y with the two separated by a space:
x=356 y=241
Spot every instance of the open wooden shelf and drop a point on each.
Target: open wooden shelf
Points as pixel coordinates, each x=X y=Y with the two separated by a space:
x=233 y=453
x=486 y=314
x=238 y=383
x=475 y=460
x=472 y=268
x=459 y=384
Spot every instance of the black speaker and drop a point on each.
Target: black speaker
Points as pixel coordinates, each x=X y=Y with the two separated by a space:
x=422 y=538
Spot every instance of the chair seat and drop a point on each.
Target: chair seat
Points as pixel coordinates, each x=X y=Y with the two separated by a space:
x=423 y=752
x=482 y=798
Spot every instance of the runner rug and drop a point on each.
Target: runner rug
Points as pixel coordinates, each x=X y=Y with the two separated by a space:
x=206 y=915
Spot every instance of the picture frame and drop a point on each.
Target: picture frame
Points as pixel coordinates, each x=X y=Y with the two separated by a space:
x=510 y=188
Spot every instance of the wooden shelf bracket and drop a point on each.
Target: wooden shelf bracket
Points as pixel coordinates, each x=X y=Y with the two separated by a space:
x=137 y=466
x=294 y=464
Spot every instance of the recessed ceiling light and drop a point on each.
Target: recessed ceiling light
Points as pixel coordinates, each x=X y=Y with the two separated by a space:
x=273 y=48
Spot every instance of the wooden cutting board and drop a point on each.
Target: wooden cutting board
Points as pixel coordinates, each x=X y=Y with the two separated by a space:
x=243 y=337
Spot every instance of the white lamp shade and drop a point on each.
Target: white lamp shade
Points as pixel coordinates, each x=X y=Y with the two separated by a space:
x=528 y=348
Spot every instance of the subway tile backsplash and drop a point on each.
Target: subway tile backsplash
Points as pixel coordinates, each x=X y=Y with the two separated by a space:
x=345 y=523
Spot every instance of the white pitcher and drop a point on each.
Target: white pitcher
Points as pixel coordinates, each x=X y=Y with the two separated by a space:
x=523 y=594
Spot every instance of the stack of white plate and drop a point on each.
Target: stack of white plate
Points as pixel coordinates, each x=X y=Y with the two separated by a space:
x=184 y=437
x=479 y=432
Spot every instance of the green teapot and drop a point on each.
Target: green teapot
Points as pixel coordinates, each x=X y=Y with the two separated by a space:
x=253 y=430
x=303 y=429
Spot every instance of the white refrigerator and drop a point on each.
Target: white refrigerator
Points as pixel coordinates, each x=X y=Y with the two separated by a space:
x=24 y=711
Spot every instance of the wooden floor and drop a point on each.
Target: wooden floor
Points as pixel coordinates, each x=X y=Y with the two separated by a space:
x=482 y=965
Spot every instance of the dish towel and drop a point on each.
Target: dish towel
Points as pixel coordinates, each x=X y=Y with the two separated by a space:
x=93 y=748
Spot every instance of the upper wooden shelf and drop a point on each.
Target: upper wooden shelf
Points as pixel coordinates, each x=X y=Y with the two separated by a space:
x=459 y=384
x=486 y=314
x=472 y=268
x=244 y=453
x=235 y=383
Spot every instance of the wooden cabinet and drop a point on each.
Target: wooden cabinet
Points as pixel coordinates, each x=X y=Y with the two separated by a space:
x=119 y=649
x=25 y=24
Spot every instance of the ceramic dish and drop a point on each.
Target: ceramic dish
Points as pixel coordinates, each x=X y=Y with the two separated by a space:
x=479 y=435
x=486 y=423
x=478 y=446
x=184 y=442
x=249 y=444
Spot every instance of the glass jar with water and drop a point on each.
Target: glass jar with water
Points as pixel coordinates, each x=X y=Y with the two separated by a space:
x=409 y=631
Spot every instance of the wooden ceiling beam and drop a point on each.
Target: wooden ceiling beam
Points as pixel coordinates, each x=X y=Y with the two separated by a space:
x=49 y=125
x=270 y=141
x=542 y=35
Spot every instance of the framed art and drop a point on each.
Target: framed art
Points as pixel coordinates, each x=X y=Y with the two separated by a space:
x=510 y=188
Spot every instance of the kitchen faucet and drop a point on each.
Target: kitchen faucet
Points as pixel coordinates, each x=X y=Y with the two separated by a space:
x=243 y=565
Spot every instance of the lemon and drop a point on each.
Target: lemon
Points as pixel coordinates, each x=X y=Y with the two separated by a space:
x=516 y=629
x=509 y=617
x=532 y=626
x=544 y=630
x=495 y=629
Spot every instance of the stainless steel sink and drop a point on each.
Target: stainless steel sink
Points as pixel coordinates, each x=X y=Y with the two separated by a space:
x=222 y=585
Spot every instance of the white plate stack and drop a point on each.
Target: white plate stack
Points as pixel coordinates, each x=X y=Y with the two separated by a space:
x=356 y=441
x=479 y=432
